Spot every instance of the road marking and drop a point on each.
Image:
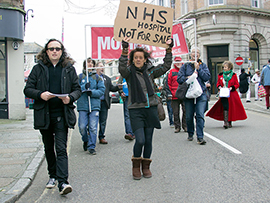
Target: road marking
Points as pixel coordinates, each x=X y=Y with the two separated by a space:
x=222 y=143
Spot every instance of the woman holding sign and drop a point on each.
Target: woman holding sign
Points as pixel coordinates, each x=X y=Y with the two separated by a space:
x=142 y=102
x=228 y=108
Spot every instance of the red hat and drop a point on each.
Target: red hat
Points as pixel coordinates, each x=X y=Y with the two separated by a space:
x=177 y=58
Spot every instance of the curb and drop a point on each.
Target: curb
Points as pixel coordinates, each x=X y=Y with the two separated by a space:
x=13 y=194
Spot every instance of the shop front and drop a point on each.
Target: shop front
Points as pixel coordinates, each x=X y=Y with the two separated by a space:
x=12 y=105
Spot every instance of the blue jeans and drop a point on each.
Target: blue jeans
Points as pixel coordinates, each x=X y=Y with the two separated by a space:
x=90 y=120
x=170 y=111
x=199 y=109
x=126 y=117
x=103 y=114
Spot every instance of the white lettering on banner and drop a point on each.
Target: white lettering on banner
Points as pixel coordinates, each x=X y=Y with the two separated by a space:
x=176 y=40
x=115 y=44
x=103 y=45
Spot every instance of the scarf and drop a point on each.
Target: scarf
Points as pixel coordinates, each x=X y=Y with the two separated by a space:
x=137 y=94
x=227 y=75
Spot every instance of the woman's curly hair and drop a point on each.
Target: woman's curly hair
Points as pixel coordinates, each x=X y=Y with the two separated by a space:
x=146 y=54
x=64 y=59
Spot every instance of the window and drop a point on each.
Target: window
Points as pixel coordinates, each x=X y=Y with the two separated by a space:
x=184 y=7
x=255 y=3
x=254 y=55
x=173 y=4
x=215 y=2
x=3 y=72
x=161 y=2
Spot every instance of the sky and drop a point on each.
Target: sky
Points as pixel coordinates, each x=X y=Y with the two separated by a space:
x=47 y=22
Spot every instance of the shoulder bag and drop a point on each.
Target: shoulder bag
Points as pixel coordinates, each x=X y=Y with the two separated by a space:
x=181 y=91
x=160 y=108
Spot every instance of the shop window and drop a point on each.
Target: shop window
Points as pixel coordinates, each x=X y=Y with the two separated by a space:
x=215 y=2
x=3 y=72
x=255 y=3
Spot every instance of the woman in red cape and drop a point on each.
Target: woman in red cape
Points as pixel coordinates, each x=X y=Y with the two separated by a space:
x=228 y=109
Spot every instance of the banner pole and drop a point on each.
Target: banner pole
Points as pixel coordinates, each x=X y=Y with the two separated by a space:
x=86 y=68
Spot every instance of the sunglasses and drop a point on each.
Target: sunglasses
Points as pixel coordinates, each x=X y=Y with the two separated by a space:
x=54 y=48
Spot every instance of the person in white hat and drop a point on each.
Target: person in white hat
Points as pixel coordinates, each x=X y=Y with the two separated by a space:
x=256 y=80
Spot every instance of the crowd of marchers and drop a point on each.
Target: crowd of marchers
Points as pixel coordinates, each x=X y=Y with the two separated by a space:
x=54 y=85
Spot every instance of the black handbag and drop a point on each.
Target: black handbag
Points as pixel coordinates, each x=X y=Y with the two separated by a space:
x=181 y=91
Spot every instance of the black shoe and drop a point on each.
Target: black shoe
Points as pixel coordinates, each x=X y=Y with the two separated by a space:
x=65 y=189
x=177 y=130
x=92 y=151
x=190 y=138
x=201 y=141
x=51 y=183
x=248 y=101
x=85 y=146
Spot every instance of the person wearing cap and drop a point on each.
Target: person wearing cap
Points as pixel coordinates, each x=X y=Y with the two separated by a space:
x=173 y=85
x=256 y=80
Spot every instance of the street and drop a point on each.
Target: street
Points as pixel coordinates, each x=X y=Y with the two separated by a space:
x=232 y=167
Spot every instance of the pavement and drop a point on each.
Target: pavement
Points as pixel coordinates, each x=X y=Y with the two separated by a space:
x=22 y=152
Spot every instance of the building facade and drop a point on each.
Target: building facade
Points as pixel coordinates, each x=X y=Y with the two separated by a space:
x=12 y=103
x=31 y=50
x=226 y=29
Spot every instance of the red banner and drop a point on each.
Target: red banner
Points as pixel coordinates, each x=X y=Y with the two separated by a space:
x=104 y=46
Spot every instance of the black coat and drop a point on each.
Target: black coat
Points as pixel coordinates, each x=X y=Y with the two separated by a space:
x=38 y=82
x=109 y=87
x=243 y=82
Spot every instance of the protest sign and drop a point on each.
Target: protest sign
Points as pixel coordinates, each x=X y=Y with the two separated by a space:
x=104 y=46
x=143 y=23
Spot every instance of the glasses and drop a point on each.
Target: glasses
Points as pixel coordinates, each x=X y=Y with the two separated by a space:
x=54 y=48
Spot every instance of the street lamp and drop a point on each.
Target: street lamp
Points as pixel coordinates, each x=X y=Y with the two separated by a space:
x=27 y=13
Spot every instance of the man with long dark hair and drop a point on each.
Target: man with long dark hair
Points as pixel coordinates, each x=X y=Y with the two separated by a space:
x=53 y=84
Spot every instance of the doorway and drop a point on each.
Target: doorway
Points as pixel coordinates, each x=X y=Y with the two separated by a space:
x=3 y=82
x=216 y=55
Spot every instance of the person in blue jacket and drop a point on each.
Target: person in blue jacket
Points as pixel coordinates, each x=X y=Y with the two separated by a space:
x=93 y=88
x=265 y=81
x=199 y=104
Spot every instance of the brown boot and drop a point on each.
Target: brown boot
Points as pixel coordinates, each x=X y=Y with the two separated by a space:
x=136 y=169
x=146 y=168
x=226 y=123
